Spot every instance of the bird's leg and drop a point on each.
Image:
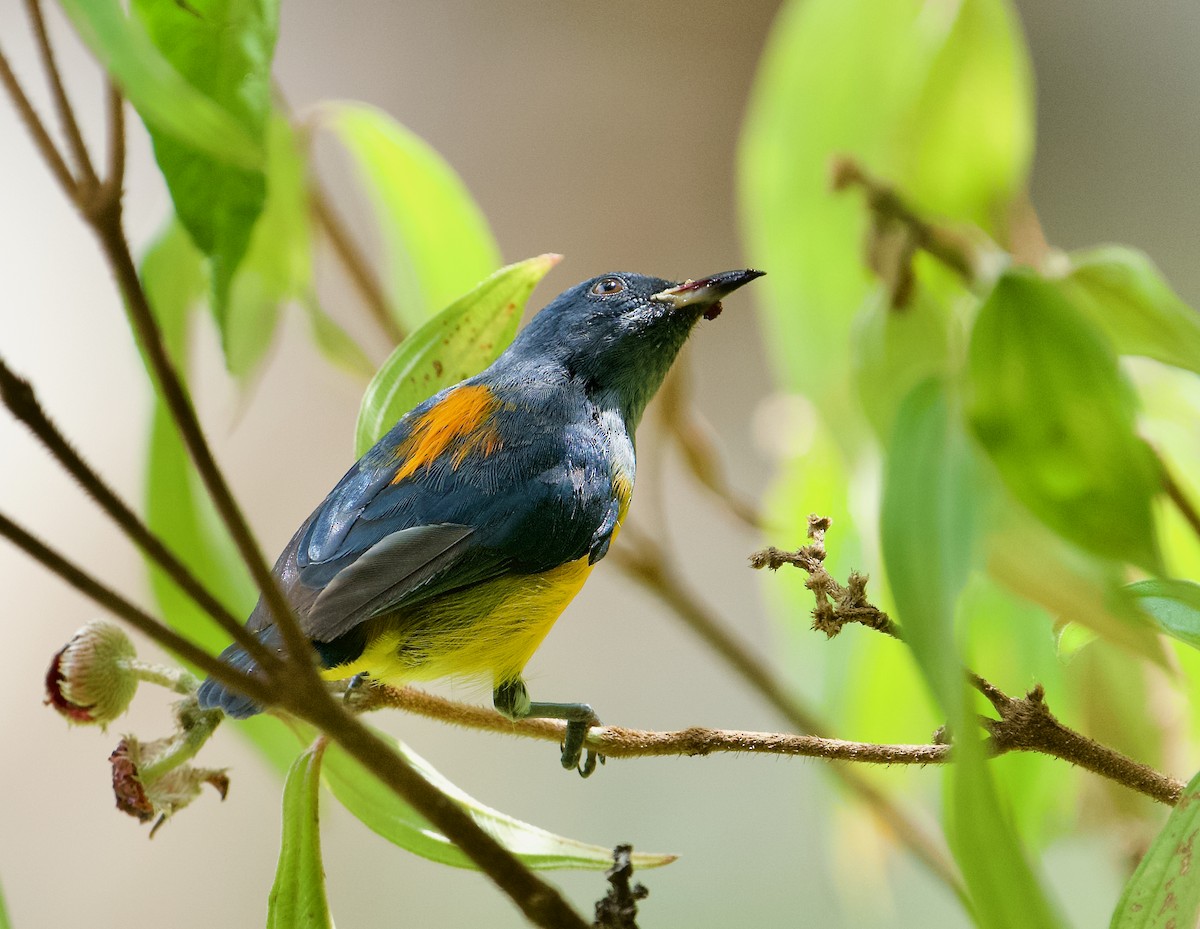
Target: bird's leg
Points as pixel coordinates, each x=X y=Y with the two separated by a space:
x=512 y=699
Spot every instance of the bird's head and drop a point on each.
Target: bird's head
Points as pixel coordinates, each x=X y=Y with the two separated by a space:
x=618 y=333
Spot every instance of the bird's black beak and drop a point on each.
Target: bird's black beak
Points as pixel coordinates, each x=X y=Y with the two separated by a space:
x=707 y=292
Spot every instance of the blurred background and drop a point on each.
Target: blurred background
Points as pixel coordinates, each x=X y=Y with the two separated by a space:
x=606 y=132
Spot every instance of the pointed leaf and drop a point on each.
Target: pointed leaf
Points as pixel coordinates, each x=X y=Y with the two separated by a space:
x=437 y=241
x=297 y=898
x=1164 y=892
x=460 y=341
x=1050 y=405
x=223 y=48
x=334 y=342
x=1124 y=294
x=160 y=94
x=928 y=523
x=389 y=816
x=1173 y=605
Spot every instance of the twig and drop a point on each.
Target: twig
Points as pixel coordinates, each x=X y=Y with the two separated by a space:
x=619 y=742
x=115 y=176
x=650 y=568
x=836 y=605
x=19 y=397
x=897 y=232
x=694 y=437
x=356 y=264
x=83 y=163
x=119 y=606
x=1176 y=495
x=1025 y=724
x=618 y=908
x=106 y=223
x=37 y=129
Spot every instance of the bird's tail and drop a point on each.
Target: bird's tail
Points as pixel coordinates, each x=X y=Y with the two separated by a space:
x=214 y=694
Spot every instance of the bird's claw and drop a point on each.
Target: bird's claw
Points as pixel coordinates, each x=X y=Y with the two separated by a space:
x=573 y=747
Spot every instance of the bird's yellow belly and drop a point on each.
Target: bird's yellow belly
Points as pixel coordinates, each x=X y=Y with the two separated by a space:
x=490 y=630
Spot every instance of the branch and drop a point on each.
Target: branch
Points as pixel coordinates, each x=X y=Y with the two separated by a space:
x=115 y=176
x=897 y=232
x=356 y=265
x=1024 y=725
x=37 y=129
x=1028 y=725
x=619 y=742
x=62 y=104
x=19 y=397
x=136 y=617
x=650 y=568
x=1178 y=497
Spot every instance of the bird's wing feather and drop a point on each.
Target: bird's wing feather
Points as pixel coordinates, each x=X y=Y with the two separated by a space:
x=390 y=535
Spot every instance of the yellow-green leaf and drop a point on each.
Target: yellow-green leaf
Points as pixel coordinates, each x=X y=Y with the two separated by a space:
x=437 y=240
x=1164 y=892
x=460 y=341
x=297 y=898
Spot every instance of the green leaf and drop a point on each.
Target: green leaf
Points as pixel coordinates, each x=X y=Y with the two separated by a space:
x=1125 y=296
x=1004 y=888
x=1164 y=892
x=278 y=263
x=1173 y=605
x=389 y=816
x=460 y=341
x=297 y=898
x=177 y=507
x=1049 y=403
x=437 y=241
x=928 y=524
x=334 y=343
x=1072 y=585
x=160 y=94
x=223 y=48
x=933 y=98
x=933 y=505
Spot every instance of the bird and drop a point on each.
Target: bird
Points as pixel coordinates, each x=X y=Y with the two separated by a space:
x=450 y=548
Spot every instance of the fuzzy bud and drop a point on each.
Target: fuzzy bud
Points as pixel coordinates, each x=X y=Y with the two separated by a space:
x=91 y=680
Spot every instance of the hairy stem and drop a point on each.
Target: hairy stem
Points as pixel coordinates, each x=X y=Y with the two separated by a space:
x=19 y=397
x=37 y=129
x=66 y=115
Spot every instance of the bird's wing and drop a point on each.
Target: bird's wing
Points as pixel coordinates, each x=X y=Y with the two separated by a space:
x=393 y=533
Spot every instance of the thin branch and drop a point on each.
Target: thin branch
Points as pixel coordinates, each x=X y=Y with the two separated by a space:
x=114 y=177
x=1027 y=724
x=18 y=395
x=694 y=436
x=897 y=232
x=649 y=567
x=37 y=129
x=356 y=264
x=619 y=742
x=107 y=226
x=1179 y=498
x=136 y=617
x=66 y=115
x=1024 y=724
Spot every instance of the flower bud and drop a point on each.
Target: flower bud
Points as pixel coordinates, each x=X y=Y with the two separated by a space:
x=91 y=680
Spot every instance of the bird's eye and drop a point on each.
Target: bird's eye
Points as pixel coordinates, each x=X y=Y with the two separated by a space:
x=608 y=286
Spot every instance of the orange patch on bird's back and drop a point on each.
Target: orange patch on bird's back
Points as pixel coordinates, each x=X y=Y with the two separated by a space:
x=459 y=423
